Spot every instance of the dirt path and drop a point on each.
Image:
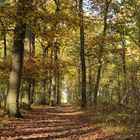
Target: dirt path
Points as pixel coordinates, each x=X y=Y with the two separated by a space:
x=52 y=123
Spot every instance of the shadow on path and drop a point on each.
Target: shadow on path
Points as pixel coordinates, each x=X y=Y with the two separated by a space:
x=52 y=123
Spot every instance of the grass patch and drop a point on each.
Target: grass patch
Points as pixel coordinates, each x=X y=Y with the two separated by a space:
x=120 y=125
x=111 y=130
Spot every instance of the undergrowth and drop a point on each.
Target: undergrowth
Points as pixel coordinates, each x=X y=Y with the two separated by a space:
x=120 y=123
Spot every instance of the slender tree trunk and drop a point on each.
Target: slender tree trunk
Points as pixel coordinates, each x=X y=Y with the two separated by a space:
x=50 y=86
x=58 y=90
x=101 y=47
x=5 y=46
x=139 y=29
x=32 y=90
x=32 y=53
x=29 y=95
x=43 y=93
x=44 y=82
x=4 y=39
x=124 y=70
x=47 y=81
x=5 y=51
x=54 y=76
x=32 y=46
x=29 y=41
x=45 y=98
x=29 y=46
x=97 y=82
x=79 y=81
x=82 y=55
x=53 y=95
x=50 y=78
x=118 y=92
x=89 y=80
x=12 y=100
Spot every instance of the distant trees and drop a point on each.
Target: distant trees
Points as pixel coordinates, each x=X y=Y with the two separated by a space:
x=107 y=51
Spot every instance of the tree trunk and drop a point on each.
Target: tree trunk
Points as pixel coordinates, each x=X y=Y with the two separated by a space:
x=124 y=100
x=54 y=75
x=5 y=46
x=15 y=75
x=43 y=93
x=89 y=80
x=53 y=95
x=82 y=55
x=118 y=92
x=139 y=29
x=12 y=103
x=4 y=38
x=29 y=95
x=101 y=49
x=29 y=41
x=50 y=86
x=50 y=78
x=58 y=90
x=32 y=90
x=29 y=47
x=97 y=82
x=78 y=81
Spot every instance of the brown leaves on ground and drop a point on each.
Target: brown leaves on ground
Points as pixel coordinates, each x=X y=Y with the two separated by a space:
x=52 y=123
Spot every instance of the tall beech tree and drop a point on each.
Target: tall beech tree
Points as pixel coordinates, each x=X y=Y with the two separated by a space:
x=101 y=49
x=12 y=104
x=55 y=56
x=82 y=54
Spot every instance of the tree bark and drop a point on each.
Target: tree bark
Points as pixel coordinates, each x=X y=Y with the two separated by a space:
x=29 y=95
x=97 y=82
x=123 y=56
x=118 y=92
x=54 y=75
x=29 y=47
x=78 y=91
x=4 y=39
x=101 y=49
x=12 y=103
x=82 y=55
x=43 y=93
x=58 y=90
x=15 y=75
x=44 y=82
x=89 y=80
x=29 y=41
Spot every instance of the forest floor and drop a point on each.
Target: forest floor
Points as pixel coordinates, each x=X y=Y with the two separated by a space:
x=64 y=123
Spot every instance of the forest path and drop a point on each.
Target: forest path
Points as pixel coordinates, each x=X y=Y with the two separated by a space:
x=52 y=123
